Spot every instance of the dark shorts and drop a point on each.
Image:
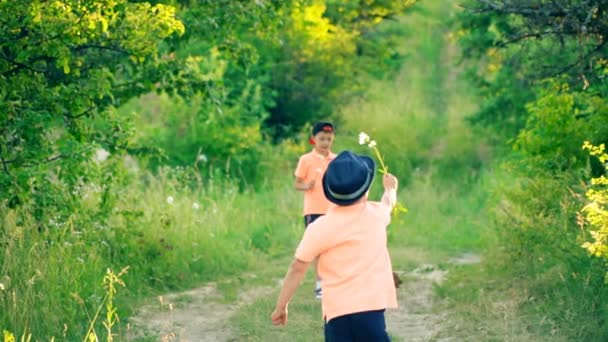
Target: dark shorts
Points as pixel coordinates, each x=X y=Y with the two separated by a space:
x=308 y=219
x=360 y=326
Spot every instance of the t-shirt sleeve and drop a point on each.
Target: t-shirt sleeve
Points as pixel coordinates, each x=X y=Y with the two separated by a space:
x=312 y=244
x=384 y=212
x=302 y=168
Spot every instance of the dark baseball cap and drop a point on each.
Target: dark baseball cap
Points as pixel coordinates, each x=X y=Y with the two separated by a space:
x=322 y=127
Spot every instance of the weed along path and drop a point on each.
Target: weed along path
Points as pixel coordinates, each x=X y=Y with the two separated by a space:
x=200 y=314
x=203 y=314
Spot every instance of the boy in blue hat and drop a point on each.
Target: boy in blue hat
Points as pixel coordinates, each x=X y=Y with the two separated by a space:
x=350 y=242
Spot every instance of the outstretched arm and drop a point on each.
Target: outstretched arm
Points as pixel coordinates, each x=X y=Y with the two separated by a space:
x=294 y=277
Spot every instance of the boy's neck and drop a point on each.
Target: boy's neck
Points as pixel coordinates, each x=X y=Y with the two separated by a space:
x=324 y=153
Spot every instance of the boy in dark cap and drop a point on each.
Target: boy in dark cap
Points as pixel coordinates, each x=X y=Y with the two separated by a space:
x=309 y=172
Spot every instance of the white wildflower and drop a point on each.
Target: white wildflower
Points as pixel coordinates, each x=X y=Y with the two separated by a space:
x=170 y=200
x=202 y=158
x=196 y=206
x=101 y=155
x=372 y=144
x=2 y=287
x=363 y=138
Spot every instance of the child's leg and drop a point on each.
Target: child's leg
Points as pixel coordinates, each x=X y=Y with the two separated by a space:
x=308 y=219
x=318 y=292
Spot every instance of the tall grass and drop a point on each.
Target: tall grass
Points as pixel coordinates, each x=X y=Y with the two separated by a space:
x=170 y=234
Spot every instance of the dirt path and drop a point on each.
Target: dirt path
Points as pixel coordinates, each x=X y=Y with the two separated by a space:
x=199 y=315
x=416 y=320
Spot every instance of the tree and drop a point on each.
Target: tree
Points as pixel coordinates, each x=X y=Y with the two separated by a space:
x=566 y=26
x=510 y=45
x=64 y=66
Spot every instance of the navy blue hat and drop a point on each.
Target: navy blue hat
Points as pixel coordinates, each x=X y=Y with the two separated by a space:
x=348 y=177
x=322 y=127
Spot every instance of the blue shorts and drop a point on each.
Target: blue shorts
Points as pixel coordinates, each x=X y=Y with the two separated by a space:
x=361 y=326
x=308 y=219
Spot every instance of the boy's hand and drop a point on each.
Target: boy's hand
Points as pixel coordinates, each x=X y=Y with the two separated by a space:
x=279 y=316
x=390 y=182
x=318 y=172
x=311 y=185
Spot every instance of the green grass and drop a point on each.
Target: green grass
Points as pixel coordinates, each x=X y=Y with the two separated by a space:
x=167 y=246
x=536 y=283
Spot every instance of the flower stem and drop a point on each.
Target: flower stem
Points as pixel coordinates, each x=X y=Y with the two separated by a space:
x=383 y=167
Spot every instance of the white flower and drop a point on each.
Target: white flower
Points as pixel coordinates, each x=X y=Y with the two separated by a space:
x=372 y=144
x=101 y=155
x=196 y=206
x=202 y=158
x=170 y=200
x=363 y=138
x=1 y=287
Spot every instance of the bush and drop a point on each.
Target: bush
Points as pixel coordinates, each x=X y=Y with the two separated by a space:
x=538 y=195
x=596 y=213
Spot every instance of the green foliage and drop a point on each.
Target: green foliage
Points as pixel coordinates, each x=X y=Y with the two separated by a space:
x=195 y=133
x=170 y=234
x=558 y=122
x=535 y=209
x=540 y=76
x=536 y=216
x=595 y=211
x=65 y=65
x=510 y=47
x=282 y=65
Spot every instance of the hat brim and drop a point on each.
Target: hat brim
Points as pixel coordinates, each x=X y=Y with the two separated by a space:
x=371 y=165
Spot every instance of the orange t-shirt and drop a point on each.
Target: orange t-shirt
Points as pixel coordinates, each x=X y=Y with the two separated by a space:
x=354 y=263
x=313 y=166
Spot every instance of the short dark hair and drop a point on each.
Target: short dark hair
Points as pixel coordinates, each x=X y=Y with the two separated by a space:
x=322 y=126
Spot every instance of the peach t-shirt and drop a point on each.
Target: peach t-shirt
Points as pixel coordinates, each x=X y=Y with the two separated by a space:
x=354 y=262
x=313 y=166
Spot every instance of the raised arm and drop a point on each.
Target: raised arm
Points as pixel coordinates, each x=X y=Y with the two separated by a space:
x=390 y=190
